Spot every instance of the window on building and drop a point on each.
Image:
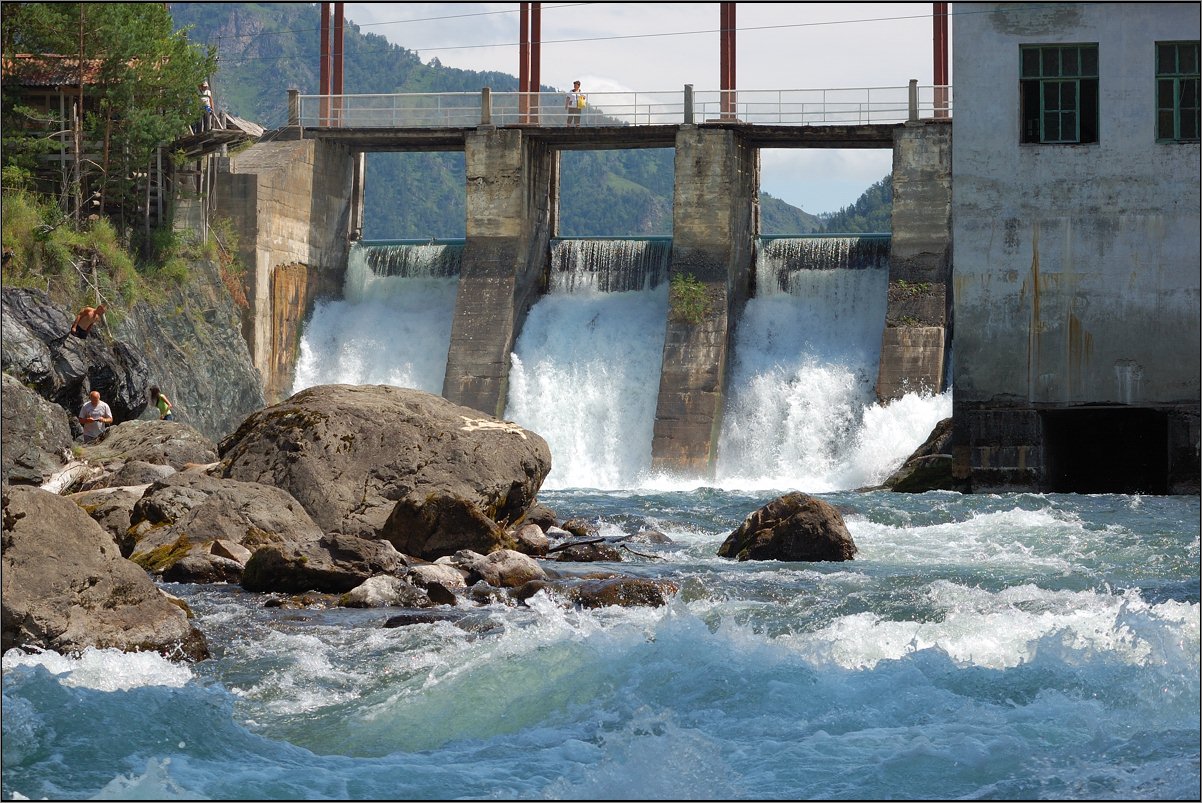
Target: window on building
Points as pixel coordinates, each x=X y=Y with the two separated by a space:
x=1060 y=94
x=1177 y=91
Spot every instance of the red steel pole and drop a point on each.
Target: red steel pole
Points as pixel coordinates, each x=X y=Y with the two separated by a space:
x=336 y=85
x=324 y=71
x=732 y=59
x=536 y=46
x=941 y=65
x=727 y=59
x=523 y=60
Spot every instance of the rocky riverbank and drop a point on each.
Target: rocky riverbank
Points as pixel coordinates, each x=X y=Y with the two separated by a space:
x=188 y=343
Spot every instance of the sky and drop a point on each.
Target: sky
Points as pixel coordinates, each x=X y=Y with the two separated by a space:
x=663 y=46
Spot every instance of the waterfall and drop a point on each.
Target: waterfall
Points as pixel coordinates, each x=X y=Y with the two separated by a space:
x=779 y=260
x=800 y=407
x=585 y=369
x=608 y=266
x=800 y=410
x=409 y=260
x=393 y=324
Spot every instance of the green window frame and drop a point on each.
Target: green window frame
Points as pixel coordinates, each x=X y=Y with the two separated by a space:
x=1059 y=93
x=1177 y=86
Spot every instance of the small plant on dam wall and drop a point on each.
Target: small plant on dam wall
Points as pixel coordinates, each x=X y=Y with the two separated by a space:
x=912 y=289
x=688 y=300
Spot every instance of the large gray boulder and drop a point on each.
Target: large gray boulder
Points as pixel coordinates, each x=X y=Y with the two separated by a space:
x=125 y=475
x=166 y=443
x=435 y=524
x=386 y=591
x=111 y=509
x=335 y=564
x=793 y=527
x=350 y=453
x=64 y=369
x=35 y=435
x=504 y=568
x=193 y=528
x=66 y=587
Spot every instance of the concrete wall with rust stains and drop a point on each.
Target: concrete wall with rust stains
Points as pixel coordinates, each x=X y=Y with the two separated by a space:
x=1075 y=267
x=290 y=204
x=1076 y=277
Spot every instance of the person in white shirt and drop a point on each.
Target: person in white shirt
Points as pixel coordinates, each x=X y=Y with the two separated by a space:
x=574 y=101
x=94 y=415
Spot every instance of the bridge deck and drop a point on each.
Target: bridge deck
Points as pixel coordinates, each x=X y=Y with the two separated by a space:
x=608 y=137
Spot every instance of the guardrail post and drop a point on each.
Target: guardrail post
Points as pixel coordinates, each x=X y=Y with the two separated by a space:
x=486 y=106
x=293 y=107
x=688 y=104
x=913 y=100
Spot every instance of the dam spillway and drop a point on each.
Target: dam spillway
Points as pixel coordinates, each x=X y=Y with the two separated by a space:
x=806 y=355
x=585 y=369
x=392 y=325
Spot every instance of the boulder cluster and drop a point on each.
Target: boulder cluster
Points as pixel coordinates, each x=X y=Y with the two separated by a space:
x=359 y=496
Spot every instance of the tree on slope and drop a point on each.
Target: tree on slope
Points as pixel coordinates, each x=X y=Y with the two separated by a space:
x=141 y=73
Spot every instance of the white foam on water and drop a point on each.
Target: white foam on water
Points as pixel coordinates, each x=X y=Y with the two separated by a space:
x=1007 y=629
x=1015 y=539
x=106 y=669
x=156 y=783
x=889 y=433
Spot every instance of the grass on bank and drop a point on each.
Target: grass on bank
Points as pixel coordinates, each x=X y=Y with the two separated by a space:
x=89 y=263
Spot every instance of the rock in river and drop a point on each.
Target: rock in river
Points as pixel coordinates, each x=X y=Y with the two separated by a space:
x=350 y=453
x=66 y=586
x=793 y=527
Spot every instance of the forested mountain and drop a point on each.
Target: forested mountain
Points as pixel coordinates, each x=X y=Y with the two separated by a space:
x=266 y=48
x=872 y=211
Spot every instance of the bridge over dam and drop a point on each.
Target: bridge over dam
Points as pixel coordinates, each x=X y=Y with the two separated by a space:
x=296 y=202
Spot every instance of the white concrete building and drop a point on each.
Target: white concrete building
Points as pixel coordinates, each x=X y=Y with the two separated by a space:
x=1075 y=228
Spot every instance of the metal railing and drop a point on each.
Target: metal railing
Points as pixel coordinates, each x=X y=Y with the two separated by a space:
x=404 y=110
x=801 y=107
x=549 y=110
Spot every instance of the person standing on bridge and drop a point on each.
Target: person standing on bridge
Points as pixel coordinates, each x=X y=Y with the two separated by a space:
x=574 y=101
x=206 y=107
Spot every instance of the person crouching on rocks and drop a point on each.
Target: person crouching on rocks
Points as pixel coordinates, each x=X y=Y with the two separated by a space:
x=85 y=320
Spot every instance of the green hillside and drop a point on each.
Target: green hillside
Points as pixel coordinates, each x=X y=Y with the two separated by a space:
x=872 y=211
x=266 y=48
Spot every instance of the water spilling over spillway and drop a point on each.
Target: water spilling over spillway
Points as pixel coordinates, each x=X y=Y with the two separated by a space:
x=585 y=370
x=800 y=404
x=393 y=324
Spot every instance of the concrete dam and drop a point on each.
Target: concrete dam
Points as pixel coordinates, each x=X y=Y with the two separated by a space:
x=586 y=369
x=297 y=205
